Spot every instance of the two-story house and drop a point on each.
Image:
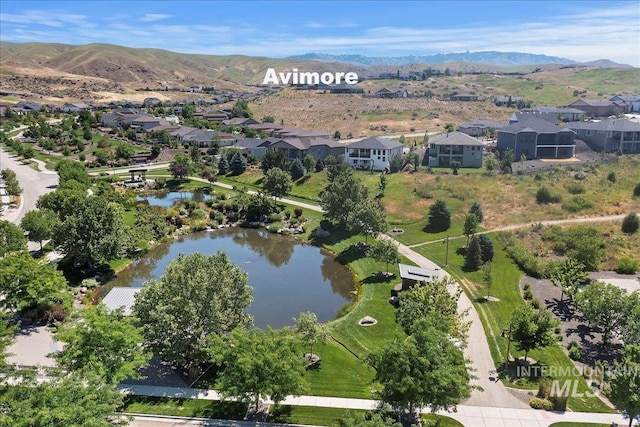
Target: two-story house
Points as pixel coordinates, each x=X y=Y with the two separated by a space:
x=536 y=138
x=372 y=153
x=609 y=135
x=455 y=147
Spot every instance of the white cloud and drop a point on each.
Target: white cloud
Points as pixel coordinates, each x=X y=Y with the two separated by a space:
x=152 y=17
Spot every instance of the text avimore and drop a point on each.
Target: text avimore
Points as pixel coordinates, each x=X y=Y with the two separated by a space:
x=308 y=78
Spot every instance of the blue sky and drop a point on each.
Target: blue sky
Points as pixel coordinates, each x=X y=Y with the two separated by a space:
x=578 y=30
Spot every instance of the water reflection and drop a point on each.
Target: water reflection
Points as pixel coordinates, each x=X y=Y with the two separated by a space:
x=167 y=199
x=287 y=277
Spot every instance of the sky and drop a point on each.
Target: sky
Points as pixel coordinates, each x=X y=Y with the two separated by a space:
x=577 y=30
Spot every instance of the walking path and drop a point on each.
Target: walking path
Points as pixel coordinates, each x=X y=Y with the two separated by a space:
x=468 y=415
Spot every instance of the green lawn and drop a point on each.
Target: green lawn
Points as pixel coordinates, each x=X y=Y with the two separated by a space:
x=495 y=316
x=184 y=407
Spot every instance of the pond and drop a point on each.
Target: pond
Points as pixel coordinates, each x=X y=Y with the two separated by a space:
x=287 y=276
x=169 y=198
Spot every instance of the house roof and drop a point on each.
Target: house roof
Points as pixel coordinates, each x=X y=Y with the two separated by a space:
x=533 y=124
x=594 y=102
x=251 y=143
x=506 y=98
x=417 y=273
x=627 y=98
x=455 y=138
x=482 y=123
x=121 y=297
x=613 y=125
x=375 y=143
x=520 y=116
x=557 y=110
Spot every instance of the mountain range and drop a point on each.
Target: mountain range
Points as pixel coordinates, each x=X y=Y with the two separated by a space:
x=501 y=59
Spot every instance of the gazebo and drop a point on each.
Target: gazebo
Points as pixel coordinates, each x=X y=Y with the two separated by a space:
x=142 y=173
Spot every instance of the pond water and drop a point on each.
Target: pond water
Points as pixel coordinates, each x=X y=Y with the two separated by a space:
x=170 y=198
x=287 y=276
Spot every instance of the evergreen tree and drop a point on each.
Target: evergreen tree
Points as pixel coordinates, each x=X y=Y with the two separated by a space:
x=238 y=164
x=439 y=217
x=223 y=165
x=296 y=169
x=472 y=259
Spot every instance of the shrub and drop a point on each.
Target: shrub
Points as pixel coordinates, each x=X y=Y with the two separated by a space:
x=526 y=287
x=297 y=212
x=544 y=196
x=611 y=177
x=535 y=303
x=537 y=403
x=559 y=402
x=574 y=188
x=630 y=223
x=575 y=353
x=293 y=222
x=580 y=176
x=198 y=214
x=577 y=204
x=275 y=217
x=626 y=266
x=528 y=294
x=636 y=190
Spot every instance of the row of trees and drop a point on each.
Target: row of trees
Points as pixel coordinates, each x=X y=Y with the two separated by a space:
x=11 y=182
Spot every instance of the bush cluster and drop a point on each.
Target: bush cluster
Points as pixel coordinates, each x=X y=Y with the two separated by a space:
x=577 y=204
x=544 y=196
x=537 y=403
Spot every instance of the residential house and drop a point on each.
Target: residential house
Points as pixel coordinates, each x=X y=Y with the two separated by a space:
x=464 y=97
x=600 y=107
x=239 y=121
x=345 y=88
x=502 y=101
x=145 y=122
x=537 y=138
x=299 y=148
x=455 y=147
x=523 y=115
x=152 y=101
x=290 y=132
x=480 y=127
x=252 y=146
x=632 y=101
x=400 y=92
x=120 y=118
x=26 y=107
x=564 y=114
x=609 y=135
x=179 y=132
x=74 y=107
x=209 y=138
x=372 y=153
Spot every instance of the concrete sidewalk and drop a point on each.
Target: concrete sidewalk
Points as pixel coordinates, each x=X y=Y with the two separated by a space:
x=472 y=416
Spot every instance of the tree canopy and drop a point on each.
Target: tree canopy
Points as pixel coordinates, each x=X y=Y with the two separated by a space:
x=439 y=217
x=625 y=383
x=310 y=331
x=532 y=328
x=11 y=238
x=342 y=196
x=385 y=250
x=602 y=305
x=197 y=296
x=368 y=218
x=103 y=342
x=39 y=224
x=568 y=276
x=277 y=182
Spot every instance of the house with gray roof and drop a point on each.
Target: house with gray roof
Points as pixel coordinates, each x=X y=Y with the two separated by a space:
x=400 y=92
x=455 y=147
x=480 y=127
x=252 y=146
x=564 y=114
x=632 y=101
x=609 y=135
x=299 y=148
x=372 y=153
x=209 y=138
x=600 y=107
x=501 y=101
x=537 y=138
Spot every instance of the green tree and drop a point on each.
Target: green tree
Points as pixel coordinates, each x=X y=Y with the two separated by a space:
x=209 y=174
x=476 y=209
x=470 y=226
x=625 y=383
x=238 y=164
x=223 y=165
x=630 y=223
x=241 y=109
x=491 y=164
x=69 y=170
x=337 y=135
x=277 y=183
x=309 y=164
x=433 y=300
x=274 y=159
x=26 y=282
x=382 y=183
x=335 y=166
x=342 y=196
x=180 y=166
x=65 y=400
x=439 y=217
x=39 y=224
x=487 y=277
x=296 y=169
x=423 y=369
x=630 y=328
x=385 y=250
x=506 y=159
x=636 y=190
x=195 y=154
x=486 y=248
x=103 y=342
x=6 y=339
x=369 y=219
x=455 y=165
x=600 y=304
x=366 y=420
x=311 y=332
x=258 y=363
x=568 y=276
x=197 y=297
x=268 y=119
x=12 y=238
x=124 y=150
x=94 y=233
x=13 y=187
x=62 y=201
x=532 y=329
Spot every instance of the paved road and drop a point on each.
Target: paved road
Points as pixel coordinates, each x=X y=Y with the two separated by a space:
x=468 y=415
x=33 y=183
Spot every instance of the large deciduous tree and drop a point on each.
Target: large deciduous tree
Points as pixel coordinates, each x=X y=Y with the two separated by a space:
x=342 y=196
x=310 y=330
x=277 y=182
x=532 y=329
x=600 y=303
x=39 y=224
x=197 y=297
x=103 y=342
x=94 y=233
x=259 y=363
x=625 y=383
x=385 y=250
x=423 y=369
x=11 y=238
x=26 y=282
x=180 y=166
x=69 y=170
x=368 y=219
x=568 y=276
